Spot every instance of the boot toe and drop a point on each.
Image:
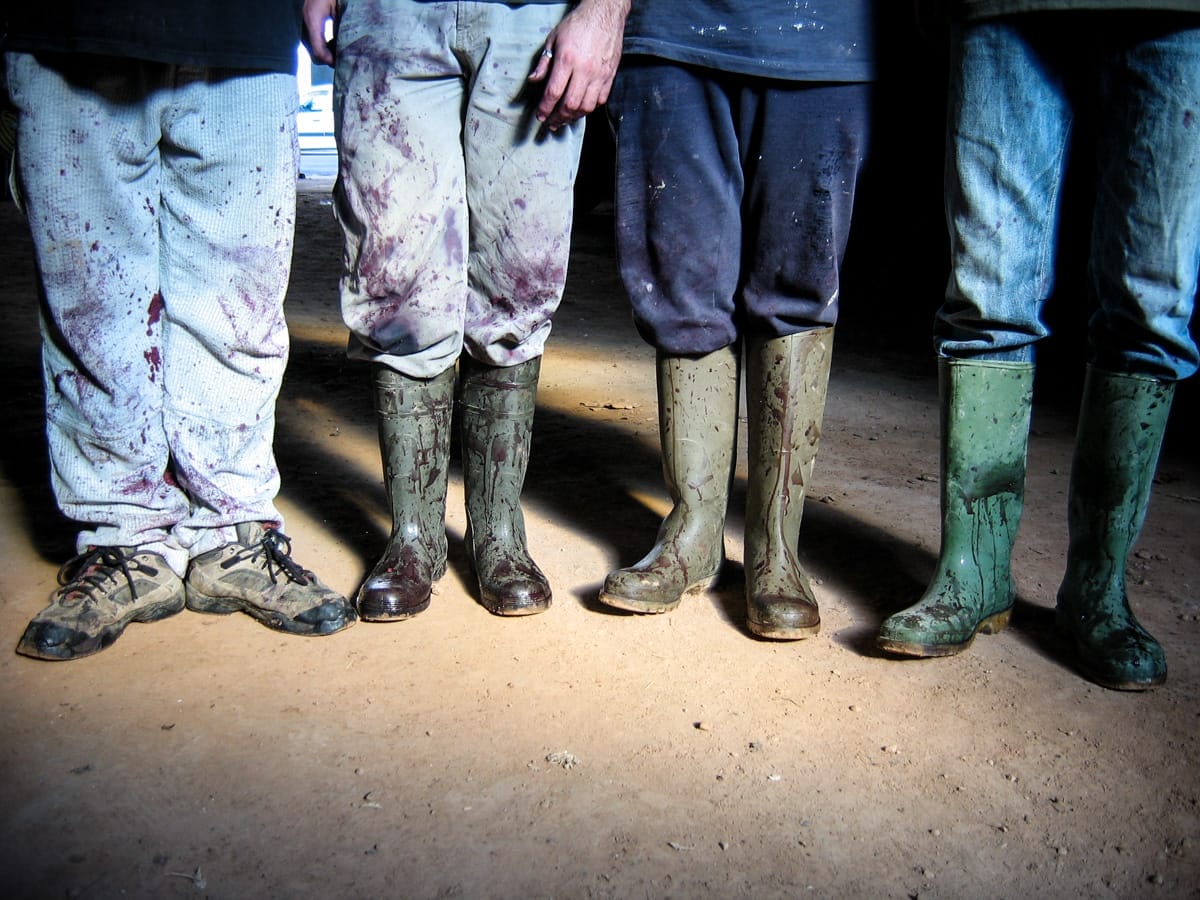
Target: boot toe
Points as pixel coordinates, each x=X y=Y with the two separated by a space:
x=783 y=618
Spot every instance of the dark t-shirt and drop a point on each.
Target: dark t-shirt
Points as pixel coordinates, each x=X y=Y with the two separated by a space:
x=240 y=34
x=798 y=40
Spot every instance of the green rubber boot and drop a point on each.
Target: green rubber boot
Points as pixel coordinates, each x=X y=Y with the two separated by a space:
x=497 y=406
x=986 y=409
x=697 y=420
x=1121 y=423
x=414 y=416
x=786 y=383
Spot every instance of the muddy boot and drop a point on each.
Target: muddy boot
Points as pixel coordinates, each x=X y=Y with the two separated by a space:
x=1121 y=424
x=786 y=383
x=985 y=409
x=497 y=423
x=414 y=437
x=697 y=420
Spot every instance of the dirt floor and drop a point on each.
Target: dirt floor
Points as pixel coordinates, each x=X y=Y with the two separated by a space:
x=584 y=752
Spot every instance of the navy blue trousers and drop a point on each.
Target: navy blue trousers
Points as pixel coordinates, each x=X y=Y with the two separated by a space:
x=734 y=197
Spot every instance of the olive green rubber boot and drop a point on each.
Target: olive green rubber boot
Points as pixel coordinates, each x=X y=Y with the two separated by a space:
x=414 y=416
x=697 y=424
x=786 y=383
x=497 y=406
x=985 y=408
x=1121 y=423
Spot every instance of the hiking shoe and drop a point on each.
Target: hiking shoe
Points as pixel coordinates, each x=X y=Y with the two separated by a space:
x=101 y=592
x=257 y=575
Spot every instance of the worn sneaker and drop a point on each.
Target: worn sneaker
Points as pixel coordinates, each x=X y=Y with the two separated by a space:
x=256 y=574
x=101 y=592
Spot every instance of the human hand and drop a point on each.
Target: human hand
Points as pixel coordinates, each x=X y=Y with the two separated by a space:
x=316 y=14
x=579 y=61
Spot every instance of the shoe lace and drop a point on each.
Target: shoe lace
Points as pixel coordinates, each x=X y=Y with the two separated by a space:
x=91 y=570
x=275 y=552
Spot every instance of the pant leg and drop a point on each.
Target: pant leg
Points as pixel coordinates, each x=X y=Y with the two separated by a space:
x=1146 y=233
x=229 y=162
x=1007 y=136
x=401 y=195
x=520 y=186
x=802 y=150
x=89 y=168
x=678 y=195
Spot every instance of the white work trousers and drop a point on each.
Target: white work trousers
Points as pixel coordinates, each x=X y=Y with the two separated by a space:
x=161 y=201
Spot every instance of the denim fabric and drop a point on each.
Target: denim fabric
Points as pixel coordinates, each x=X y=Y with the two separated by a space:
x=161 y=204
x=734 y=197
x=1016 y=87
x=455 y=208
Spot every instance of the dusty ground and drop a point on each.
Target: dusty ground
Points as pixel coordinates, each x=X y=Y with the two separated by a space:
x=585 y=753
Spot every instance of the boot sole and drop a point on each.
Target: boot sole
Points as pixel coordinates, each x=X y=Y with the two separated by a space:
x=993 y=624
x=783 y=634
x=648 y=607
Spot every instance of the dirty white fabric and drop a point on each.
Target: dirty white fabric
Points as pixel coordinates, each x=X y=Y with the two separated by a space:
x=161 y=203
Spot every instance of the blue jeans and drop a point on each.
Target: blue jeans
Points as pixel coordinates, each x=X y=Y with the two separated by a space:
x=1016 y=85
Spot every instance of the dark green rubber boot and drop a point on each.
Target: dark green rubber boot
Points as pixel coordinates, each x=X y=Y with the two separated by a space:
x=697 y=421
x=497 y=406
x=414 y=417
x=985 y=435
x=1121 y=423
x=786 y=383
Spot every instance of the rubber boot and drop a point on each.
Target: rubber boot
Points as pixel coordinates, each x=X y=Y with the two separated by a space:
x=1121 y=424
x=985 y=411
x=497 y=425
x=697 y=425
x=786 y=382
x=414 y=417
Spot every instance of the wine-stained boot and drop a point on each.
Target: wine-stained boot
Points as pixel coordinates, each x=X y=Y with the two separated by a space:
x=414 y=417
x=497 y=406
x=786 y=383
x=697 y=421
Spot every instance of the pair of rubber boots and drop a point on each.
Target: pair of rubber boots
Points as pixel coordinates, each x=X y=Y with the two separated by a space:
x=415 y=418
x=985 y=412
x=787 y=380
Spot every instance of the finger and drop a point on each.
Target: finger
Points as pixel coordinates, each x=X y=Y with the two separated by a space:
x=552 y=95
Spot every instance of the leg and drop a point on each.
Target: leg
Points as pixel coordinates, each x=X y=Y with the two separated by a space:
x=228 y=215
x=1145 y=255
x=1009 y=122
x=678 y=224
x=93 y=215
x=401 y=195
x=802 y=150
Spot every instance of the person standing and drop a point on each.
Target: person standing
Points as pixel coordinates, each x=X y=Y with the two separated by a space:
x=1022 y=72
x=156 y=158
x=741 y=129
x=459 y=128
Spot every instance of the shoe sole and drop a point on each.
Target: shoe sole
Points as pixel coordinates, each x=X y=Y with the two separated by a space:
x=105 y=638
x=223 y=606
